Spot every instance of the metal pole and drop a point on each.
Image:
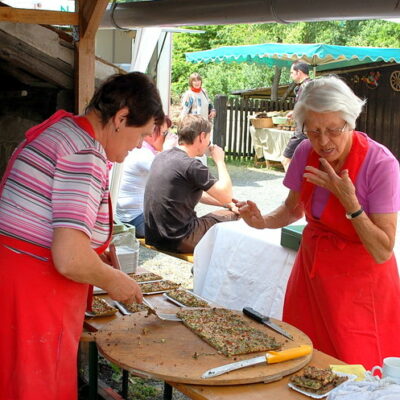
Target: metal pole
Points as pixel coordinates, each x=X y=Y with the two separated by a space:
x=167 y=391
x=93 y=370
x=125 y=383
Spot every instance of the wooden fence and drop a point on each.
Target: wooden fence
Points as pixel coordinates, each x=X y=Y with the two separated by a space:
x=231 y=125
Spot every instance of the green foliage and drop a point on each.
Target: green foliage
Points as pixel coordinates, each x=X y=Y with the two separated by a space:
x=140 y=390
x=225 y=78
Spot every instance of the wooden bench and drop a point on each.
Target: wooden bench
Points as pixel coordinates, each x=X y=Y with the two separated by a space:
x=183 y=256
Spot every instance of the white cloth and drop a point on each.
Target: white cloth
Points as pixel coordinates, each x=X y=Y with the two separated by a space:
x=270 y=143
x=237 y=266
x=364 y=390
x=131 y=193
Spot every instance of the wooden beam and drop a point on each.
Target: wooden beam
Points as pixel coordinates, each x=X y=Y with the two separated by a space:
x=26 y=16
x=23 y=56
x=90 y=15
x=84 y=73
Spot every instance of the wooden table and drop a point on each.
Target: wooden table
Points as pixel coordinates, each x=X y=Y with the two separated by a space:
x=276 y=390
x=269 y=142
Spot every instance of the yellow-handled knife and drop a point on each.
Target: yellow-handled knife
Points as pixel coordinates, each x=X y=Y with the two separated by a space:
x=270 y=357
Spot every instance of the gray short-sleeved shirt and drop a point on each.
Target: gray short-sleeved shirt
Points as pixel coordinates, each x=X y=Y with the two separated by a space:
x=174 y=187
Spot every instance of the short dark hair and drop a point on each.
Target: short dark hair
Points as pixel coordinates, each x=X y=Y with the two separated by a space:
x=191 y=127
x=302 y=66
x=134 y=90
x=157 y=128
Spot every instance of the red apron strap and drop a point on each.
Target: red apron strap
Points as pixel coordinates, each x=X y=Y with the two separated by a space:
x=333 y=210
x=30 y=135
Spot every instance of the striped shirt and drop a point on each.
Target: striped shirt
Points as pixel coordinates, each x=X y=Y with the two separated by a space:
x=60 y=179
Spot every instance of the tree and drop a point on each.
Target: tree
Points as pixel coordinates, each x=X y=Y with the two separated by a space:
x=225 y=78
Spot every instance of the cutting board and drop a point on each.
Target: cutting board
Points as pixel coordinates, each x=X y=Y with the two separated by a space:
x=150 y=347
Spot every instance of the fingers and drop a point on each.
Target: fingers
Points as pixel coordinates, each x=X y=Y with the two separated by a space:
x=345 y=174
x=239 y=204
x=138 y=294
x=328 y=168
x=125 y=289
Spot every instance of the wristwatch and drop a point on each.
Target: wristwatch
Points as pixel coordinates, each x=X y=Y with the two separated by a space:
x=355 y=214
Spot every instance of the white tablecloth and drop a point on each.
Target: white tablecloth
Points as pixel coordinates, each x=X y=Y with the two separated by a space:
x=270 y=143
x=237 y=266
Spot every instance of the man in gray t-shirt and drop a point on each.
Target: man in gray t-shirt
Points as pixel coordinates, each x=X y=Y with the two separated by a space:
x=177 y=182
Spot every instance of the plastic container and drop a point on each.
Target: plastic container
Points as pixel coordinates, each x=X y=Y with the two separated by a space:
x=127 y=249
x=291 y=236
x=280 y=120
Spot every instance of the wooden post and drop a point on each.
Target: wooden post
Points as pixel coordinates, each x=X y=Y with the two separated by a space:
x=90 y=14
x=219 y=137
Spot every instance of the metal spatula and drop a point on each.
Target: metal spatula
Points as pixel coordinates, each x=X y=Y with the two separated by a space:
x=163 y=316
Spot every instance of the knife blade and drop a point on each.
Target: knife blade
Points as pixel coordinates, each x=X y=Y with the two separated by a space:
x=270 y=357
x=253 y=314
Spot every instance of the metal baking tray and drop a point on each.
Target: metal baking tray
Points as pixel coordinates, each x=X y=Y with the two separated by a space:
x=172 y=300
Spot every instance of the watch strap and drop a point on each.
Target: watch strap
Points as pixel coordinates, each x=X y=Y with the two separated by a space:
x=355 y=214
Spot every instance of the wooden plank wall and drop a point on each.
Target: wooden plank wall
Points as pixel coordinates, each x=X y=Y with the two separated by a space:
x=381 y=116
x=231 y=126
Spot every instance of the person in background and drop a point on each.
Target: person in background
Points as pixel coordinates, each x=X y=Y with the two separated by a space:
x=299 y=72
x=177 y=182
x=55 y=223
x=195 y=100
x=136 y=170
x=344 y=289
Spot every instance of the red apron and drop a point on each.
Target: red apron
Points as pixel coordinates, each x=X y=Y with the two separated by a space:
x=42 y=315
x=337 y=294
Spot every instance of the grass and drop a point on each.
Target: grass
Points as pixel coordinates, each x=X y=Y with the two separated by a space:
x=138 y=388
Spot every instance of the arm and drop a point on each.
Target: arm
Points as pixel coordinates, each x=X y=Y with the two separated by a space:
x=376 y=231
x=76 y=260
x=187 y=103
x=287 y=213
x=208 y=199
x=222 y=189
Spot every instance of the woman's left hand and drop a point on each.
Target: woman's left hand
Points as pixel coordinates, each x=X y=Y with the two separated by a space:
x=340 y=185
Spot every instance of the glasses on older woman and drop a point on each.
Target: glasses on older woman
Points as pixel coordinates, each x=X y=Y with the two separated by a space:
x=331 y=132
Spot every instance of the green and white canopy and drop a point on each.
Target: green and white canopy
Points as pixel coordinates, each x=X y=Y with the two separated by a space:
x=320 y=56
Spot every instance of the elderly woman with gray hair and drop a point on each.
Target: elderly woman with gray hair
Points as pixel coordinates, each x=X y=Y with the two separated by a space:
x=344 y=290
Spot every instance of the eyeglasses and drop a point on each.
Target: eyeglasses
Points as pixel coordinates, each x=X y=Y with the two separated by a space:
x=331 y=132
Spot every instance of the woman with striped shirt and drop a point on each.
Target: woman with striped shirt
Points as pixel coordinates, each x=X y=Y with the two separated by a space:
x=55 y=223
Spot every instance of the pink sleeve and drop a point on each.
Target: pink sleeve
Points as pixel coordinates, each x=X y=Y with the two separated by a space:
x=80 y=181
x=379 y=181
x=294 y=175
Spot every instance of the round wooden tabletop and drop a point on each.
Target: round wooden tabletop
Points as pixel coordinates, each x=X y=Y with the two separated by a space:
x=150 y=347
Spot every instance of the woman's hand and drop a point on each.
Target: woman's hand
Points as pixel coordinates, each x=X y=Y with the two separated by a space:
x=74 y=258
x=123 y=288
x=251 y=214
x=340 y=185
